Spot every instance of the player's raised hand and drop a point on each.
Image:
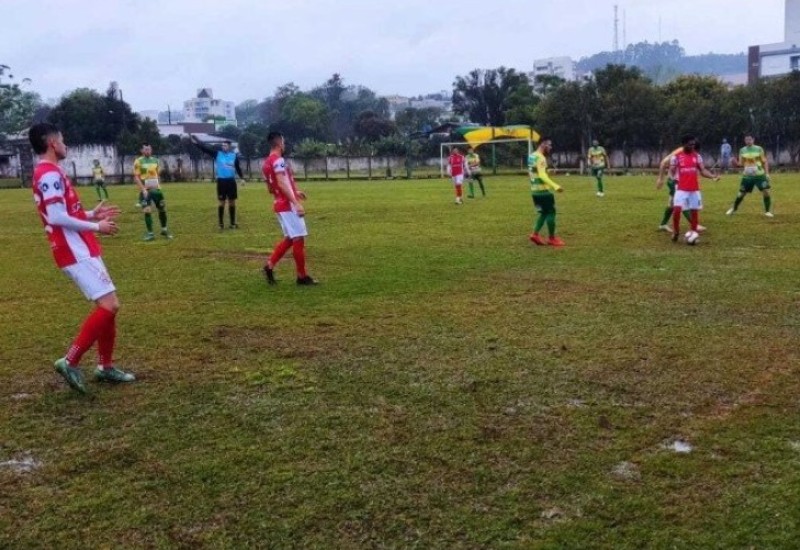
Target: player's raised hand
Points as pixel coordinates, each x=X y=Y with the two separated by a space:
x=105 y=211
x=107 y=227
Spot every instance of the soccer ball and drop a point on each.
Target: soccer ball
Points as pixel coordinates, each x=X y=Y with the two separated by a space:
x=691 y=237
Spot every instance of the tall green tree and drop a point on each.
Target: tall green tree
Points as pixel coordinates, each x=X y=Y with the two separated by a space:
x=86 y=116
x=17 y=106
x=485 y=96
x=372 y=127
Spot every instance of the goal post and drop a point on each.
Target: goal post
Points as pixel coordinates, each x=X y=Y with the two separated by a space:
x=450 y=144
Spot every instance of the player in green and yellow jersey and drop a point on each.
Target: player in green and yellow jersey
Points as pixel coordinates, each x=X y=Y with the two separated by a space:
x=671 y=180
x=99 y=179
x=542 y=188
x=755 y=173
x=145 y=172
x=474 y=172
x=598 y=162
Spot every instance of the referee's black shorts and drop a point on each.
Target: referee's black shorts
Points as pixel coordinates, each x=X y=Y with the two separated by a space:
x=226 y=189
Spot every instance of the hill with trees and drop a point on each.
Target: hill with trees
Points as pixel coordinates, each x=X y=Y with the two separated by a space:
x=663 y=62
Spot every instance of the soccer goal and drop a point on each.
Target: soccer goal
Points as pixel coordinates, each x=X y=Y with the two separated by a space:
x=493 y=162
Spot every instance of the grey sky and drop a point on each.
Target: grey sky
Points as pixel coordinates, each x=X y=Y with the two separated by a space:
x=161 y=52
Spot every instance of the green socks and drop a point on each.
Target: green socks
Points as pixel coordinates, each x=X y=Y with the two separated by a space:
x=162 y=218
x=767 y=204
x=539 y=223
x=148 y=221
x=551 y=224
x=471 y=188
x=600 y=184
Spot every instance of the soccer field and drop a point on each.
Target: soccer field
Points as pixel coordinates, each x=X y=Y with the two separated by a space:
x=448 y=385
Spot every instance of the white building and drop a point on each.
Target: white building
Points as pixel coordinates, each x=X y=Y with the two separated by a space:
x=562 y=67
x=204 y=106
x=778 y=59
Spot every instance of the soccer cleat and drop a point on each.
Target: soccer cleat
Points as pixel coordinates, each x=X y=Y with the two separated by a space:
x=112 y=375
x=665 y=227
x=221 y=227
x=72 y=375
x=458 y=200
x=769 y=214
x=536 y=239
x=148 y=237
x=165 y=233
x=470 y=196
x=307 y=281
x=270 y=275
x=555 y=241
x=601 y=194
x=730 y=212
x=675 y=236
x=701 y=228
x=234 y=226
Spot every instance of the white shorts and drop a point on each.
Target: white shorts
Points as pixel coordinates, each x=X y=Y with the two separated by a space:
x=688 y=200
x=292 y=225
x=458 y=180
x=92 y=278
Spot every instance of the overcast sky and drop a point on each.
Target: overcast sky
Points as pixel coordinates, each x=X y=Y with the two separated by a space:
x=161 y=52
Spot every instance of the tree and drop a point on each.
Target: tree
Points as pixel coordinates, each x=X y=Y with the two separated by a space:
x=693 y=105
x=85 y=116
x=411 y=120
x=17 y=106
x=302 y=116
x=569 y=115
x=247 y=112
x=485 y=95
x=371 y=127
x=230 y=132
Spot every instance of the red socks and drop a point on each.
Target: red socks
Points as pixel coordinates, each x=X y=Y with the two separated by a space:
x=105 y=344
x=96 y=325
x=459 y=191
x=694 y=219
x=676 y=219
x=282 y=248
x=299 y=253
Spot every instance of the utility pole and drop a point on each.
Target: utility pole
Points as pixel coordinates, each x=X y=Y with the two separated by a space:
x=616 y=29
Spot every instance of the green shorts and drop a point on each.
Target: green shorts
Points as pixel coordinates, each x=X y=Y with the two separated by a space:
x=100 y=183
x=671 y=187
x=599 y=171
x=749 y=182
x=154 y=196
x=544 y=202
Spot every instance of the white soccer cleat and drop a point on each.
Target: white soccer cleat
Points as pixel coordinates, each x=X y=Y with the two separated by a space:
x=458 y=200
x=769 y=214
x=665 y=227
x=730 y=212
x=701 y=228
x=600 y=194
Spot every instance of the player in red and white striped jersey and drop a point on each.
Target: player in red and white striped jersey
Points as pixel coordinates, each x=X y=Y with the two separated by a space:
x=71 y=232
x=455 y=167
x=289 y=209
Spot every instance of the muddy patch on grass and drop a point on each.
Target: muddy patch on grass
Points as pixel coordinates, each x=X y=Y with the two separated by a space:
x=23 y=464
x=626 y=471
x=679 y=446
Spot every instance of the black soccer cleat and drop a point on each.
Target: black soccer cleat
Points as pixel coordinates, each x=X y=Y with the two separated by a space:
x=307 y=281
x=675 y=237
x=270 y=275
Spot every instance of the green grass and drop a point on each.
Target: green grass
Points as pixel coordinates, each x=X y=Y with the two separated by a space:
x=449 y=385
